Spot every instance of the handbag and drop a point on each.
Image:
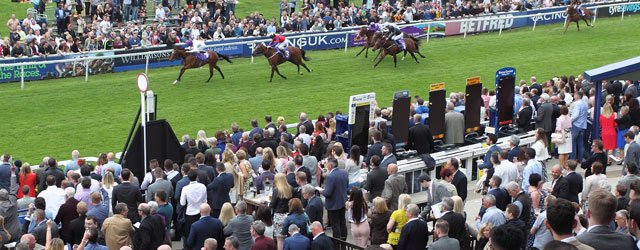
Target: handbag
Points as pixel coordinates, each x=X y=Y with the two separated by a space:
x=557 y=138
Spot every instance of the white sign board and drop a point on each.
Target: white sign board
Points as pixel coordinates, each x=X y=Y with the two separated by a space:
x=361 y=100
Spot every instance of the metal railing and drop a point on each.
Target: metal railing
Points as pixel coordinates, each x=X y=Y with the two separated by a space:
x=351 y=30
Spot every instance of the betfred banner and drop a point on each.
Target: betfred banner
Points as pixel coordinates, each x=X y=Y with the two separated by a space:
x=629 y=9
x=485 y=23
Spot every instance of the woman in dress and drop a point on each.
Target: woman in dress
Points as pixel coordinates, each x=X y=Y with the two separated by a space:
x=397 y=220
x=608 y=125
x=357 y=217
x=592 y=182
x=353 y=166
x=541 y=146
x=245 y=172
x=623 y=122
x=282 y=193
x=28 y=178
x=538 y=196
x=563 y=126
x=378 y=219
x=264 y=214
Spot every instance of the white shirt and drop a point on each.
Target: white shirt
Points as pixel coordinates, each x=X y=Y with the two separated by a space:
x=54 y=197
x=305 y=138
x=160 y=14
x=193 y=195
x=508 y=171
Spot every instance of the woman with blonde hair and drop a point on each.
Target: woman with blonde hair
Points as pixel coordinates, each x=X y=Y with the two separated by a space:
x=280 y=121
x=245 y=172
x=483 y=236
x=397 y=220
x=276 y=165
x=282 y=193
x=608 y=125
x=283 y=155
x=226 y=213
x=541 y=145
x=230 y=163
x=28 y=178
x=203 y=143
x=378 y=218
x=108 y=183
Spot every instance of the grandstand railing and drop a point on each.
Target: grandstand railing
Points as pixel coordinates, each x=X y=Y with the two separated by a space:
x=499 y=17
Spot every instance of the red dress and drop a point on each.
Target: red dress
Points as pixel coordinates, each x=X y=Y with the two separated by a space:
x=29 y=180
x=608 y=125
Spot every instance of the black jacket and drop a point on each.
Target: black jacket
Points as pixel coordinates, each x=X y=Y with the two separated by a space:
x=457 y=225
x=420 y=139
x=575 y=186
x=561 y=188
x=322 y=242
x=414 y=236
x=375 y=182
x=524 y=119
x=130 y=195
x=150 y=234
x=460 y=182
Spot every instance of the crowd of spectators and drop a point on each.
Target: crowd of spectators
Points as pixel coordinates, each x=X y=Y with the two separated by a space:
x=203 y=202
x=124 y=24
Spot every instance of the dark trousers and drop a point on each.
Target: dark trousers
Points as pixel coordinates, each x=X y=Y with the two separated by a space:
x=338 y=223
x=188 y=221
x=215 y=213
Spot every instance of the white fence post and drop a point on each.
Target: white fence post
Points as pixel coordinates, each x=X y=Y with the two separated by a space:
x=535 y=21
x=146 y=65
x=501 y=26
x=465 y=31
x=346 y=42
x=428 y=32
x=623 y=9
x=253 y=46
x=22 y=77
x=595 y=17
x=86 y=70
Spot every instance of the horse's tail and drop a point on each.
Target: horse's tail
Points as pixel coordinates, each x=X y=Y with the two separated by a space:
x=304 y=55
x=225 y=57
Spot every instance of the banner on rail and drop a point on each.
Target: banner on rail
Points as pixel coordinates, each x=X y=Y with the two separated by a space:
x=59 y=70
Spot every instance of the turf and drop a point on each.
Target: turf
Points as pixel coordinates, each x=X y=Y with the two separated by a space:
x=50 y=118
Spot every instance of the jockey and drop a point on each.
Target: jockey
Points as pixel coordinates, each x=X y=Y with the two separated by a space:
x=374 y=27
x=397 y=36
x=195 y=46
x=278 y=42
x=577 y=5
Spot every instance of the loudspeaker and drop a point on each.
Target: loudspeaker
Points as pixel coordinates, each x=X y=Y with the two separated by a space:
x=506 y=85
x=400 y=120
x=360 y=129
x=162 y=144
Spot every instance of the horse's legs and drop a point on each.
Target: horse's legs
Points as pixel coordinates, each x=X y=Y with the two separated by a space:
x=274 y=67
x=272 y=70
x=363 y=49
x=380 y=60
x=219 y=71
x=180 y=75
x=414 y=57
x=305 y=67
x=578 y=24
x=566 y=26
x=366 y=52
x=395 y=65
x=585 y=21
x=378 y=55
x=210 y=72
x=298 y=65
x=404 y=55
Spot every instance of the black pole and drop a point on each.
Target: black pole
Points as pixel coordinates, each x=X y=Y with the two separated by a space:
x=133 y=127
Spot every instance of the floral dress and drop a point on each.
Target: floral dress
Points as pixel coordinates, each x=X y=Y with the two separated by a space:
x=543 y=196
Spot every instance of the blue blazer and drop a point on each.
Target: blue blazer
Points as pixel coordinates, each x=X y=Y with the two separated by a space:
x=335 y=191
x=218 y=190
x=487 y=157
x=314 y=209
x=204 y=228
x=413 y=235
x=297 y=242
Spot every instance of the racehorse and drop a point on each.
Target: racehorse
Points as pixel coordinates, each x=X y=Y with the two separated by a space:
x=191 y=61
x=296 y=56
x=370 y=36
x=574 y=16
x=389 y=47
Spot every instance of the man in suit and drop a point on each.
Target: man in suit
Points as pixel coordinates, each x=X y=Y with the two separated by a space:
x=633 y=151
x=524 y=116
x=376 y=147
x=559 y=185
x=76 y=231
x=118 y=228
x=299 y=167
x=600 y=213
x=308 y=125
x=159 y=184
x=501 y=195
x=459 y=178
x=67 y=213
x=545 y=115
x=514 y=147
x=521 y=200
x=387 y=156
x=631 y=171
x=393 y=187
x=375 y=178
x=150 y=233
x=40 y=230
x=413 y=235
x=219 y=189
x=240 y=226
x=309 y=162
x=456 y=221
x=575 y=181
x=335 y=193
x=454 y=124
x=420 y=137
x=206 y=227
x=561 y=221
x=261 y=242
x=296 y=240
x=491 y=142
x=435 y=193
x=291 y=174
x=128 y=194
x=442 y=240
x=320 y=239
x=204 y=170
x=314 y=208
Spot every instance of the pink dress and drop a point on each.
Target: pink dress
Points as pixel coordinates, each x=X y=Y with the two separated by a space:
x=608 y=125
